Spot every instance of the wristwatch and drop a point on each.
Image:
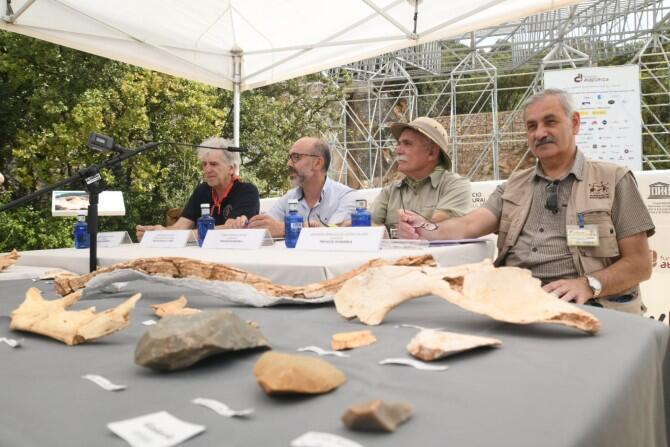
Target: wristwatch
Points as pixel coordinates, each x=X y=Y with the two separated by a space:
x=595 y=285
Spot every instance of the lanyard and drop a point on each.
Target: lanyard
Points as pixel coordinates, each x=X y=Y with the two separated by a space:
x=218 y=200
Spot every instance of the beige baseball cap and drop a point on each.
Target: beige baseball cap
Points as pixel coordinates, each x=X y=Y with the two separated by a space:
x=429 y=128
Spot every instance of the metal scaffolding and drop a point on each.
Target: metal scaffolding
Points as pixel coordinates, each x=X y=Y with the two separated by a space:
x=476 y=84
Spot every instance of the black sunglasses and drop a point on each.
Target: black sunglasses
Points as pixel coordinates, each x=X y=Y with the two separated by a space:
x=552 y=197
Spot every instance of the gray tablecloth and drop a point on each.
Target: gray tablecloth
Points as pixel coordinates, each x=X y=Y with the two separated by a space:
x=547 y=386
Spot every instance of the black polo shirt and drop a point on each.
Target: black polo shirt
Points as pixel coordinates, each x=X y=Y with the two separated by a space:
x=242 y=200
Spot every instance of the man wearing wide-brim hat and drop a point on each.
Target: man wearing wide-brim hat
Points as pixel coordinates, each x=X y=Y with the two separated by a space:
x=428 y=188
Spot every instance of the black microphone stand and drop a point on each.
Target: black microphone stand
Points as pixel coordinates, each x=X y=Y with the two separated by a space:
x=94 y=186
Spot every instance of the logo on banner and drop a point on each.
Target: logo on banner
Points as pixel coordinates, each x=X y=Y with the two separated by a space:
x=599 y=190
x=593 y=78
x=659 y=190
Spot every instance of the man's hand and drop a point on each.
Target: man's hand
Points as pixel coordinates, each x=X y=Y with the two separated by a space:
x=140 y=229
x=265 y=221
x=236 y=223
x=576 y=290
x=409 y=224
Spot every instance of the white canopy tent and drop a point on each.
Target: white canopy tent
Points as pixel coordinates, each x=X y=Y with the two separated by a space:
x=244 y=44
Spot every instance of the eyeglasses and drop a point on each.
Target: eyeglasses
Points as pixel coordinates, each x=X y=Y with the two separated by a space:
x=427 y=225
x=552 y=197
x=309 y=215
x=296 y=156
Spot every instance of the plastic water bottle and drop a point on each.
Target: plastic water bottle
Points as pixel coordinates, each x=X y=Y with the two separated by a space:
x=205 y=223
x=361 y=217
x=81 y=237
x=293 y=223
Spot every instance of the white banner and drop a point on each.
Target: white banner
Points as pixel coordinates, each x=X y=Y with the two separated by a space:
x=608 y=101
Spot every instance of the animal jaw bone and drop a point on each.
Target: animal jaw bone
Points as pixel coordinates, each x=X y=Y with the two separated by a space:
x=51 y=318
x=506 y=294
x=184 y=268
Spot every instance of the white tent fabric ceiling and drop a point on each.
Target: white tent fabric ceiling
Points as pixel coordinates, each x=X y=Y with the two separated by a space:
x=275 y=39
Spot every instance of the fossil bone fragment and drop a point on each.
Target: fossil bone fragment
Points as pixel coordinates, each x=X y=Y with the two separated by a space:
x=377 y=415
x=506 y=294
x=279 y=373
x=174 y=307
x=432 y=345
x=267 y=293
x=351 y=340
x=51 y=318
x=8 y=260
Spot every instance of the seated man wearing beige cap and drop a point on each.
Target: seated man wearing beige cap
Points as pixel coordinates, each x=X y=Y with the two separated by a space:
x=428 y=188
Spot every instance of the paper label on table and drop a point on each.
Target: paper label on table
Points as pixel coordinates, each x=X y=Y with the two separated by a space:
x=413 y=363
x=165 y=239
x=322 y=352
x=221 y=408
x=103 y=383
x=10 y=342
x=149 y=322
x=155 y=430
x=113 y=238
x=341 y=239
x=243 y=239
x=320 y=439
x=421 y=328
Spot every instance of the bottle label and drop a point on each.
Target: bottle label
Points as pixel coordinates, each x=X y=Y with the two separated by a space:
x=295 y=225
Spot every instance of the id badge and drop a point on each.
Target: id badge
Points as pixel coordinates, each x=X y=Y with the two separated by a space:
x=583 y=236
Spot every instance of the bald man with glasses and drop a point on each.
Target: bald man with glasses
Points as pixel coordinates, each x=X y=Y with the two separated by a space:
x=579 y=225
x=321 y=201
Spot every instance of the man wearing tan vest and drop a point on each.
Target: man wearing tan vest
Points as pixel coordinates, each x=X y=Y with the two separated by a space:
x=580 y=226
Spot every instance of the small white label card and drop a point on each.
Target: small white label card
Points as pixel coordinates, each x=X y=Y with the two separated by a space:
x=113 y=238
x=321 y=439
x=321 y=352
x=243 y=239
x=155 y=430
x=103 y=383
x=221 y=408
x=165 y=239
x=414 y=364
x=583 y=236
x=341 y=239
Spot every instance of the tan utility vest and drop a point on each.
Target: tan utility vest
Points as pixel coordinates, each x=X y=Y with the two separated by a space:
x=593 y=196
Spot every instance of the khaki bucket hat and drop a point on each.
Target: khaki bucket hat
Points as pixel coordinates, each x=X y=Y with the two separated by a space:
x=431 y=129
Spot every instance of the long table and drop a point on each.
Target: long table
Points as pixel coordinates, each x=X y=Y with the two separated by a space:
x=279 y=264
x=547 y=385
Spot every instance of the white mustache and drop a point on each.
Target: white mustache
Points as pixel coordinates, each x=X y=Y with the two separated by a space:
x=544 y=140
x=400 y=158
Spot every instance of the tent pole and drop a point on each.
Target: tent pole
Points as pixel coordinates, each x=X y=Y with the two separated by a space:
x=237 y=79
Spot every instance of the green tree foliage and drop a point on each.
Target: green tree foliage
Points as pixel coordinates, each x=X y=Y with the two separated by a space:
x=52 y=97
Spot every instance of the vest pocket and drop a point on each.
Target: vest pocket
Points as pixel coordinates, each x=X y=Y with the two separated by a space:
x=608 y=246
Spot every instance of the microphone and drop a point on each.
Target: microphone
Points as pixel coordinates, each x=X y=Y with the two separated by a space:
x=102 y=143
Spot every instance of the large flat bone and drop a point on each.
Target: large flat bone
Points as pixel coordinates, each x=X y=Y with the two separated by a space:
x=506 y=294
x=50 y=318
x=511 y=294
x=191 y=268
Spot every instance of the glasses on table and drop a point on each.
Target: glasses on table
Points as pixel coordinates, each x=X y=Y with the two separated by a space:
x=428 y=225
x=297 y=156
x=552 y=197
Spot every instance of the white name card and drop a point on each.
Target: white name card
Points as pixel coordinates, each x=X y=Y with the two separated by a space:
x=165 y=239
x=155 y=430
x=243 y=239
x=341 y=239
x=113 y=238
